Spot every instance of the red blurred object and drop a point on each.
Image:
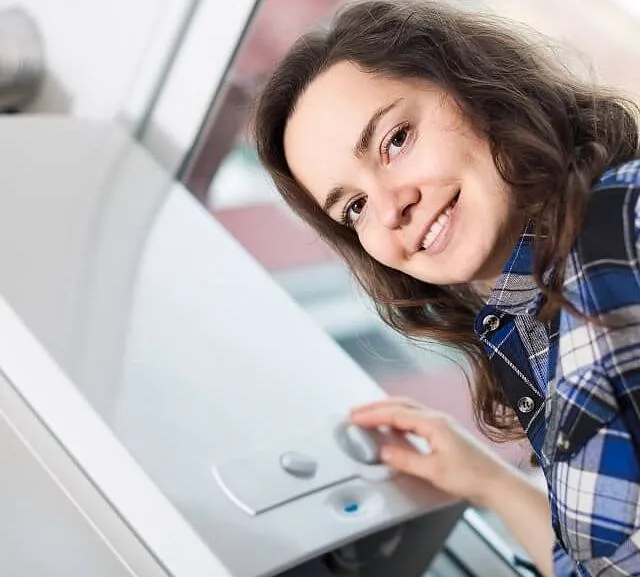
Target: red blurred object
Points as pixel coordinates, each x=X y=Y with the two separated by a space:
x=276 y=241
x=275 y=27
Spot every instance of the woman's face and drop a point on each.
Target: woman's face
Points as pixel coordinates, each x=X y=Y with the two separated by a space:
x=396 y=161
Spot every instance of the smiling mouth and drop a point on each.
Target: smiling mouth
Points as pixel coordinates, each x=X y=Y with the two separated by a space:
x=439 y=227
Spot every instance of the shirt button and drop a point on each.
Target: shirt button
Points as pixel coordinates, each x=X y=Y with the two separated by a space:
x=526 y=404
x=491 y=322
x=563 y=443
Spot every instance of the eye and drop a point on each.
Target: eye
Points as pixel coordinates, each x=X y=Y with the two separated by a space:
x=396 y=142
x=352 y=211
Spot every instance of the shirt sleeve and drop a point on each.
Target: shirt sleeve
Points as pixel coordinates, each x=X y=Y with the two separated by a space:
x=596 y=469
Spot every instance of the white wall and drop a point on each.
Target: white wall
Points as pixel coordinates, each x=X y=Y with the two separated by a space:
x=103 y=56
x=631 y=6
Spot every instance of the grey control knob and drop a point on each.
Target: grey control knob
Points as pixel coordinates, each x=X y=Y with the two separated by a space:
x=360 y=444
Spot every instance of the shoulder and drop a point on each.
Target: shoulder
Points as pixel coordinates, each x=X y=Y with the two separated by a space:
x=610 y=228
x=615 y=197
x=623 y=175
x=602 y=272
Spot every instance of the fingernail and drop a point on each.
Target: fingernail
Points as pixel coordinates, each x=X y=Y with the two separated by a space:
x=386 y=454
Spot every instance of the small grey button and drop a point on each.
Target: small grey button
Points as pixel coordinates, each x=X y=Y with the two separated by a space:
x=491 y=322
x=298 y=465
x=526 y=404
x=563 y=444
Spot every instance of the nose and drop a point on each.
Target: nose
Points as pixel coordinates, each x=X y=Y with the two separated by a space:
x=393 y=205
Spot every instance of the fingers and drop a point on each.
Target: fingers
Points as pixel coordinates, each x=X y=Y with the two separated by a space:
x=388 y=402
x=404 y=419
x=408 y=461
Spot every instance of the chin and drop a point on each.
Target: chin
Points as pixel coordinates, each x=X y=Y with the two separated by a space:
x=467 y=268
x=460 y=277
x=452 y=271
x=444 y=280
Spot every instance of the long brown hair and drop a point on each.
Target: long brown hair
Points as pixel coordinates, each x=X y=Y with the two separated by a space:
x=550 y=136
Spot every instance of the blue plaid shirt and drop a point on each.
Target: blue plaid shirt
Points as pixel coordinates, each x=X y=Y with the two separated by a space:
x=575 y=386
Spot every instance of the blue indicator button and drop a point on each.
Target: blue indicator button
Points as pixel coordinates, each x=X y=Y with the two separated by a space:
x=351 y=507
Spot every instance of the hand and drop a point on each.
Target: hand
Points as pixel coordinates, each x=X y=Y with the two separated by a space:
x=457 y=463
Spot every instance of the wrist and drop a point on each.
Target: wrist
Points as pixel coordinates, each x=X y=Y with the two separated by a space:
x=496 y=486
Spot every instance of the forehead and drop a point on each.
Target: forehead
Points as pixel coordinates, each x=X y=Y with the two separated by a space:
x=343 y=89
x=328 y=119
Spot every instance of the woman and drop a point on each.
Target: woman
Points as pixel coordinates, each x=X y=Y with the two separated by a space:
x=483 y=198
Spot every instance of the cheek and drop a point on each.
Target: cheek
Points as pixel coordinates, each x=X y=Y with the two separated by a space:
x=381 y=246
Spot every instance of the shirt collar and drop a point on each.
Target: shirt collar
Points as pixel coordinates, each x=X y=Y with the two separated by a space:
x=516 y=291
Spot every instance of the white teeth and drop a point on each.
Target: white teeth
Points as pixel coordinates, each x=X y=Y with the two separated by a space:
x=434 y=231
x=437 y=227
x=431 y=236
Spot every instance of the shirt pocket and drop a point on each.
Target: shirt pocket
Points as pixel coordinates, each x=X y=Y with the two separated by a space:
x=591 y=466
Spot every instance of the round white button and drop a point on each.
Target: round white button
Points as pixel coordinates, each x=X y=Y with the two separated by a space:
x=491 y=322
x=526 y=404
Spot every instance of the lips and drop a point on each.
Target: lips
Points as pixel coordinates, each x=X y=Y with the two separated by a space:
x=438 y=227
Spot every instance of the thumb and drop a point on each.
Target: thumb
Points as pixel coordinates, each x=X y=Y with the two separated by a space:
x=408 y=461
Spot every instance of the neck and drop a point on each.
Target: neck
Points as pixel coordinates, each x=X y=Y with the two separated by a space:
x=484 y=287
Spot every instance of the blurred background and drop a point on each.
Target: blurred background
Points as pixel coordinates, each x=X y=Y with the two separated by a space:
x=182 y=75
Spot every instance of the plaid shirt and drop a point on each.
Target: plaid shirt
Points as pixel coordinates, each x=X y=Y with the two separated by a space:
x=575 y=386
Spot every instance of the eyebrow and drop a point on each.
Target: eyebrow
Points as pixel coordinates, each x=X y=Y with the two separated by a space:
x=334 y=197
x=359 y=150
x=362 y=146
